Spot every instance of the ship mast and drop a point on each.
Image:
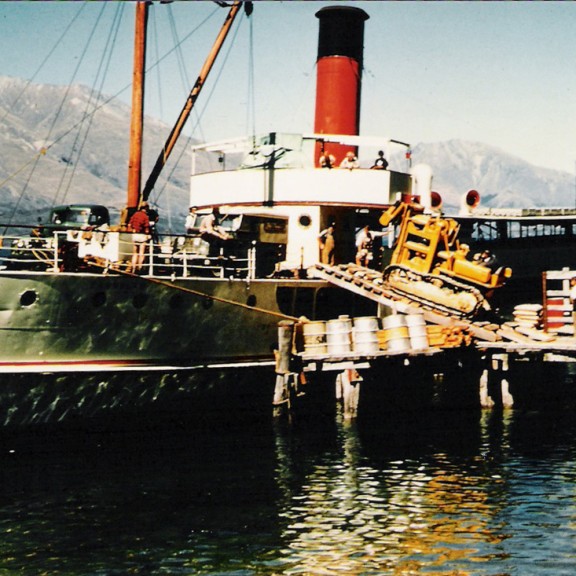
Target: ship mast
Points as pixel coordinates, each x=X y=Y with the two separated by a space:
x=137 y=118
x=192 y=97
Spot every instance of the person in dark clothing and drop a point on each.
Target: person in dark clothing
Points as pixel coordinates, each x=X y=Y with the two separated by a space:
x=380 y=163
x=212 y=232
x=153 y=217
x=139 y=225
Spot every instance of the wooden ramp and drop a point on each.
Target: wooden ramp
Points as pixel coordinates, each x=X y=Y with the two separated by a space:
x=370 y=284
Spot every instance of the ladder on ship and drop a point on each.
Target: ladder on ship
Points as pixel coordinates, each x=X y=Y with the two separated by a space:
x=370 y=284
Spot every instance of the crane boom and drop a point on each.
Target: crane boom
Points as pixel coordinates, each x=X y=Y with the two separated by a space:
x=190 y=101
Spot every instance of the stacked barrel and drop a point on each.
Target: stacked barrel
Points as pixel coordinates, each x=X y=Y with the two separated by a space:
x=365 y=335
x=403 y=333
x=341 y=336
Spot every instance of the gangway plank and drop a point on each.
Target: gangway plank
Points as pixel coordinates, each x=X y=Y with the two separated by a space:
x=370 y=284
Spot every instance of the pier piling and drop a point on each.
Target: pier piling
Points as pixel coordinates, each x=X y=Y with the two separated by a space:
x=494 y=384
x=348 y=392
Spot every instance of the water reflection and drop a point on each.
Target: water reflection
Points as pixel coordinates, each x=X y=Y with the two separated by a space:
x=442 y=493
x=439 y=513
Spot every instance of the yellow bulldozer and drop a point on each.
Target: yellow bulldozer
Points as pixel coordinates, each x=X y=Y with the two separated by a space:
x=430 y=266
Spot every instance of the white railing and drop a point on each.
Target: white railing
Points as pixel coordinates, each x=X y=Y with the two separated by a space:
x=102 y=251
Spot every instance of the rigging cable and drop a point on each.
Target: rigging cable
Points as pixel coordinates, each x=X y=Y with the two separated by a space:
x=201 y=113
x=163 y=188
x=251 y=108
x=178 y=49
x=95 y=94
x=156 y=37
x=46 y=58
x=48 y=146
x=177 y=43
x=180 y=62
x=173 y=286
x=56 y=117
x=184 y=77
x=34 y=160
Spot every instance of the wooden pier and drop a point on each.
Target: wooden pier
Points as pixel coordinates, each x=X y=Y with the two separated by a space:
x=494 y=347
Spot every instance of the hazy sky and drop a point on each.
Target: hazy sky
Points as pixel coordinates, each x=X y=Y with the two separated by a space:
x=502 y=73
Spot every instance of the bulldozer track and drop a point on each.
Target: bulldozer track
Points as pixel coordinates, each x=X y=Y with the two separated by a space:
x=453 y=288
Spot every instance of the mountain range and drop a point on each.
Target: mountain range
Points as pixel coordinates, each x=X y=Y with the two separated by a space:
x=81 y=168
x=503 y=180
x=86 y=143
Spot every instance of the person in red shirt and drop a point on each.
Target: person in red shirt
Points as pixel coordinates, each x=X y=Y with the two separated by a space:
x=139 y=225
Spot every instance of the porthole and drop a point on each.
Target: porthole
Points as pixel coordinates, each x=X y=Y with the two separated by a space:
x=139 y=300
x=28 y=297
x=304 y=220
x=98 y=299
x=251 y=300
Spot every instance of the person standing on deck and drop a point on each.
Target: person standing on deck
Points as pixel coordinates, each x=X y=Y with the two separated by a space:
x=153 y=217
x=364 y=247
x=350 y=161
x=327 y=161
x=212 y=232
x=190 y=220
x=380 y=163
x=327 y=245
x=139 y=225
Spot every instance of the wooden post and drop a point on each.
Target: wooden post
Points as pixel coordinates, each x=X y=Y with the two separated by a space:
x=507 y=399
x=286 y=381
x=284 y=394
x=485 y=399
x=349 y=381
x=498 y=365
x=339 y=388
x=285 y=335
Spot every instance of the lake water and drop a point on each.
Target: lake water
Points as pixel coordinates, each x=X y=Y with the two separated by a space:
x=437 y=492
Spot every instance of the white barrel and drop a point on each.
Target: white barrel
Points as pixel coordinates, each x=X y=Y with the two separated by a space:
x=365 y=342
x=417 y=330
x=338 y=333
x=396 y=333
x=394 y=321
x=364 y=335
x=314 y=337
x=366 y=323
x=315 y=349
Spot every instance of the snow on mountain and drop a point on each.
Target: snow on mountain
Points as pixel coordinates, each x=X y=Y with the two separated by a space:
x=33 y=116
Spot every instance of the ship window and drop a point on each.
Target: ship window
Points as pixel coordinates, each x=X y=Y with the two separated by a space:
x=541 y=230
x=98 y=299
x=275 y=226
x=514 y=230
x=486 y=230
x=28 y=298
x=304 y=220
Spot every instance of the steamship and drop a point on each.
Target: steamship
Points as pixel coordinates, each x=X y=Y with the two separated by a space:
x=67 y=303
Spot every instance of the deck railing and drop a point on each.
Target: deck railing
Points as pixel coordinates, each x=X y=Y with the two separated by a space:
x=97 y=251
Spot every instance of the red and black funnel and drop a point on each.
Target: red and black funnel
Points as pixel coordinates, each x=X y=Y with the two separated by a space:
x=339 y=71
